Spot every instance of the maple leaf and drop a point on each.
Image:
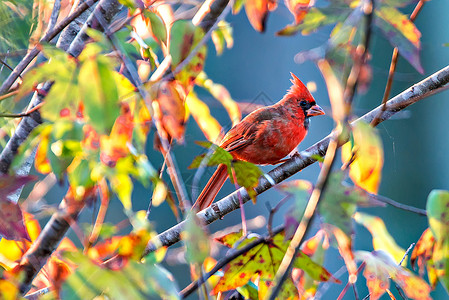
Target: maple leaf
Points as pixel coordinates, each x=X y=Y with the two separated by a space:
x=12 y=226
x=262 y=263
x=380 y=267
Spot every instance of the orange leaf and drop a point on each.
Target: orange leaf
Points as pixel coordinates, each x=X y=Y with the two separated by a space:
x=298 y=8
x=422 y=255
x=169 y=108
x=257 y=12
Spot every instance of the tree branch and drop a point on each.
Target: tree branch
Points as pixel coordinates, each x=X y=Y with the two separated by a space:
x=46 y=38
x=427 y=87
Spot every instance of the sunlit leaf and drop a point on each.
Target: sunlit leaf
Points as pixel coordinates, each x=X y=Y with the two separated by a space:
x=257 y=12
x=334 y=90
x=367 y=151
x=343 y=243
x=201 y=113
x=298 y=8
x=318 y=17
x=382 y=240
x=221 y=94
x=380 y=267
x=401 y=33
x=99 y=93
x=222 y=37
x=12 y=225
x=156 y=26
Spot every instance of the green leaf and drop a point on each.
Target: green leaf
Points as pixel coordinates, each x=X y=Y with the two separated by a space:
x=184 y=36
x=438 y=213
x=401 y=33
x=438 y=216
x=247 y=175
x=218 y=156
x=157 y=26
x=134 y=281
x=99 y=93
x=79 y=176
x=318 y=17
x=340 y=202
x=196 y=240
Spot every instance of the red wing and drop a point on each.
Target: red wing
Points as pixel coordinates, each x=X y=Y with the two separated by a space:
x=244 y=133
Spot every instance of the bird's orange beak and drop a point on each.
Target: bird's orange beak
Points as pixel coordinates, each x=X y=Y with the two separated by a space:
x=315 y=110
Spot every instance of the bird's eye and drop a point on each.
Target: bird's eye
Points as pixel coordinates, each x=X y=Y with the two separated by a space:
x=303 y=104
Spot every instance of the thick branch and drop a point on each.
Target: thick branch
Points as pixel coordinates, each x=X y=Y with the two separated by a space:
x=57 y=226
x=429 y=86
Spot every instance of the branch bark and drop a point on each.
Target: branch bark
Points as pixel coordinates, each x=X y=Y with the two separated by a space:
x=57 y=226
x=427 y=87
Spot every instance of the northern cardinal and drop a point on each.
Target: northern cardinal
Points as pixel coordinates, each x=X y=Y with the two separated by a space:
x=265 y=136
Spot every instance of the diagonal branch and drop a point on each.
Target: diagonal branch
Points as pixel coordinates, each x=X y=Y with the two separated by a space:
x=427 y=87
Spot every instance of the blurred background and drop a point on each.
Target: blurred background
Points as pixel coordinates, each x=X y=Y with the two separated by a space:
x=257 y=70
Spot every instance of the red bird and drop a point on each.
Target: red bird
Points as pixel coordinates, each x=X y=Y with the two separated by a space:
x=265 y=136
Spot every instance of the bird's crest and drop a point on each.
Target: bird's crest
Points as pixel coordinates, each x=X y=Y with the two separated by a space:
x=298 y=89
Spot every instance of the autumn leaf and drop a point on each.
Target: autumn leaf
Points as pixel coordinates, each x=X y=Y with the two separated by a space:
x=222 y=37
x=216 y=156
x=298 y=8
x=12 y=225
x=422 y=255
x=222 y=95
x=380 y=267
x=368 y=157
x=257 y=12
x=382 y=240
x=201 y=113
x=401 y=33
x=263 y=262
x=169 y=108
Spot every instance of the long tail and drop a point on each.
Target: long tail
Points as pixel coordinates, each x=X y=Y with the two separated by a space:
x=211 y=189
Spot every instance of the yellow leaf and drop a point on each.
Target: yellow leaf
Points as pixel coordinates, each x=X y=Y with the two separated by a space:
x=334 y=89
x=201 y=113
x=367 y=149
x=382 y=240
x=159 y=193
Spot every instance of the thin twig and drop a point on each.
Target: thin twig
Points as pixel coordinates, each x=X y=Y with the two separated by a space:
x=24 y=114
x=394 y=61
x=399 y=205
x=345 y=289
x=272 y=212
